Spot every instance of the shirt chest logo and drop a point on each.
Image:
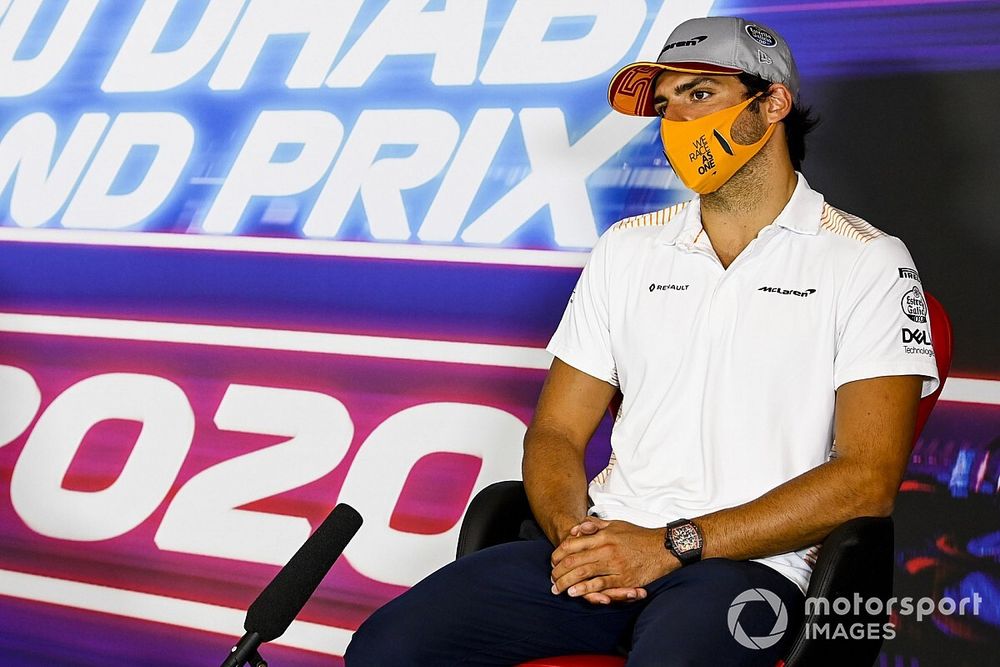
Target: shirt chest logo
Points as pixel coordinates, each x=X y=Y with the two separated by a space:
x=654 y=287
x=787 y=292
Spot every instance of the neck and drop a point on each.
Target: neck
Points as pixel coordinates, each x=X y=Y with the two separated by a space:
x=749 y=201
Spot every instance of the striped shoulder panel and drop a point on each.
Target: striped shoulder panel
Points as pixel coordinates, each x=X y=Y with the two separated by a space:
x=845 y=224
x=653 y=219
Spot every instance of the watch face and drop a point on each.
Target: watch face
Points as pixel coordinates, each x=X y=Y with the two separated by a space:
x=685 y=538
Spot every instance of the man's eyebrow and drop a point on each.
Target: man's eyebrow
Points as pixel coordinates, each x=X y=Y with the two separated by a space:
x=682 y=88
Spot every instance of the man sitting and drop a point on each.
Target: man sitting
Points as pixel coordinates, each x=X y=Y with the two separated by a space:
x=747 y=330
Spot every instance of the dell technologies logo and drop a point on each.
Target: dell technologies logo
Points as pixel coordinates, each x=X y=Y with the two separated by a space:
x=917 y=336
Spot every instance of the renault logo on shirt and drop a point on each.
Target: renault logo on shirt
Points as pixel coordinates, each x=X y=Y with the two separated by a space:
x=781 y=290
x=653 y=287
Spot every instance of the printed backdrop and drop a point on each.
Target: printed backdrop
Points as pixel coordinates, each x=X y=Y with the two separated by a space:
x=261 y=257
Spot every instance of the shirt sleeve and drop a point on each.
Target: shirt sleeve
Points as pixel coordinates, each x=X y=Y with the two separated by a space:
x=583 y=338
x=883 y=324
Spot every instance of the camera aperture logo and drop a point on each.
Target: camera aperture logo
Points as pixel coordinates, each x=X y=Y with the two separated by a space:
x=758 y=595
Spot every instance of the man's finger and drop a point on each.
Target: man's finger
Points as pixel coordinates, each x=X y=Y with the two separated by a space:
x=573 y=545
x=623 y=594
x=601 y=584
x=583 y=559
x=598 y=598
x=574 y=576
x=588 y=527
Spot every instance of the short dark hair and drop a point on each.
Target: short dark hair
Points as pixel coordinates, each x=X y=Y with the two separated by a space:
x=798 y=123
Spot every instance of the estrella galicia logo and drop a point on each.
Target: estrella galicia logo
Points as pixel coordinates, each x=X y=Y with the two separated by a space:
x=761 y=36
x=793 y=292
x=653 y=287
x=757 y=595
x=910 y=274
x=918 y=336
x=913 y=306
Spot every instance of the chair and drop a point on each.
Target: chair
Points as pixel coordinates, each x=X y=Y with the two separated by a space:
x=857 y=557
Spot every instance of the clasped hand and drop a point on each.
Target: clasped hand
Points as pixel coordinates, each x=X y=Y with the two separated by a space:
x=609 y=561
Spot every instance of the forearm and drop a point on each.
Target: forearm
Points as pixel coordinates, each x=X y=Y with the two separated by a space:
x=798 y=513
x=555 y=481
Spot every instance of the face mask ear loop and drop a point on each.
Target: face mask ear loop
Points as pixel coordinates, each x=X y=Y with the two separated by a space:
x=749 y=103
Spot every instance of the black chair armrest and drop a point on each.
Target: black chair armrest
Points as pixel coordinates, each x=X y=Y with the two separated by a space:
x=855 y=559
x=494 y=516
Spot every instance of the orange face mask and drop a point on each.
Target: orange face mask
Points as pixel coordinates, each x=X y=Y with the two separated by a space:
x=702 y=151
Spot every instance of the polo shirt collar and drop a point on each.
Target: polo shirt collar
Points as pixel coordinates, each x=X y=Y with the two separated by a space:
x=802 y=214
x=687 y=227
x=804 y=209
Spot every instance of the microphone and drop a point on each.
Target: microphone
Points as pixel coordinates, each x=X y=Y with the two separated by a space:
x=281 y=601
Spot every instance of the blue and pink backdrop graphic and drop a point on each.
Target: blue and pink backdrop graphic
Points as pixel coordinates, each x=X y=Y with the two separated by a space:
x=260 y=257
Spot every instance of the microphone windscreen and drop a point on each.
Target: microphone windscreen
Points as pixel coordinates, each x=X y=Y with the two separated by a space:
x=281 y=601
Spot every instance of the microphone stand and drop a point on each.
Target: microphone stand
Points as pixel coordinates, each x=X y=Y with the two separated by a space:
x=245 y=652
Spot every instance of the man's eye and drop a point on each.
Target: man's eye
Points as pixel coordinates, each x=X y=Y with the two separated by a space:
x=701 y=95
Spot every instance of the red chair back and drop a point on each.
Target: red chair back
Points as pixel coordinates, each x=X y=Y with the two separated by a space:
x=941 y=341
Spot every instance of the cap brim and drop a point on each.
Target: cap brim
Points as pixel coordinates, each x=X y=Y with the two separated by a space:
x=631 y=89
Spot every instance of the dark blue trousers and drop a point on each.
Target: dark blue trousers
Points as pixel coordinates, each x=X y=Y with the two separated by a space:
x=496 y=607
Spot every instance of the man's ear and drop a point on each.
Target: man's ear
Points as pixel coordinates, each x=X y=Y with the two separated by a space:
x=779 y=102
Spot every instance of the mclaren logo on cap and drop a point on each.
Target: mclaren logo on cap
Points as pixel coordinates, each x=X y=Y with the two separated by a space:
x=761 y=36
x=694 y=41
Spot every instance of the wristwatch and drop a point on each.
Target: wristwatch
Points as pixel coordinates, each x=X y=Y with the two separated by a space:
x=684 y=540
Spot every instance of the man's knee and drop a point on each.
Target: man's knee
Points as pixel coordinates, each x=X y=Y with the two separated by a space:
x=435 y=620
x=383 y=640
x=692 y=620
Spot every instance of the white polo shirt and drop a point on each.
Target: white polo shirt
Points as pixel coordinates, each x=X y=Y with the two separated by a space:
x=729 y=375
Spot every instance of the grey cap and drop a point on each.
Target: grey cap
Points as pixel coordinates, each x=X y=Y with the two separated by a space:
x=711 y=45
